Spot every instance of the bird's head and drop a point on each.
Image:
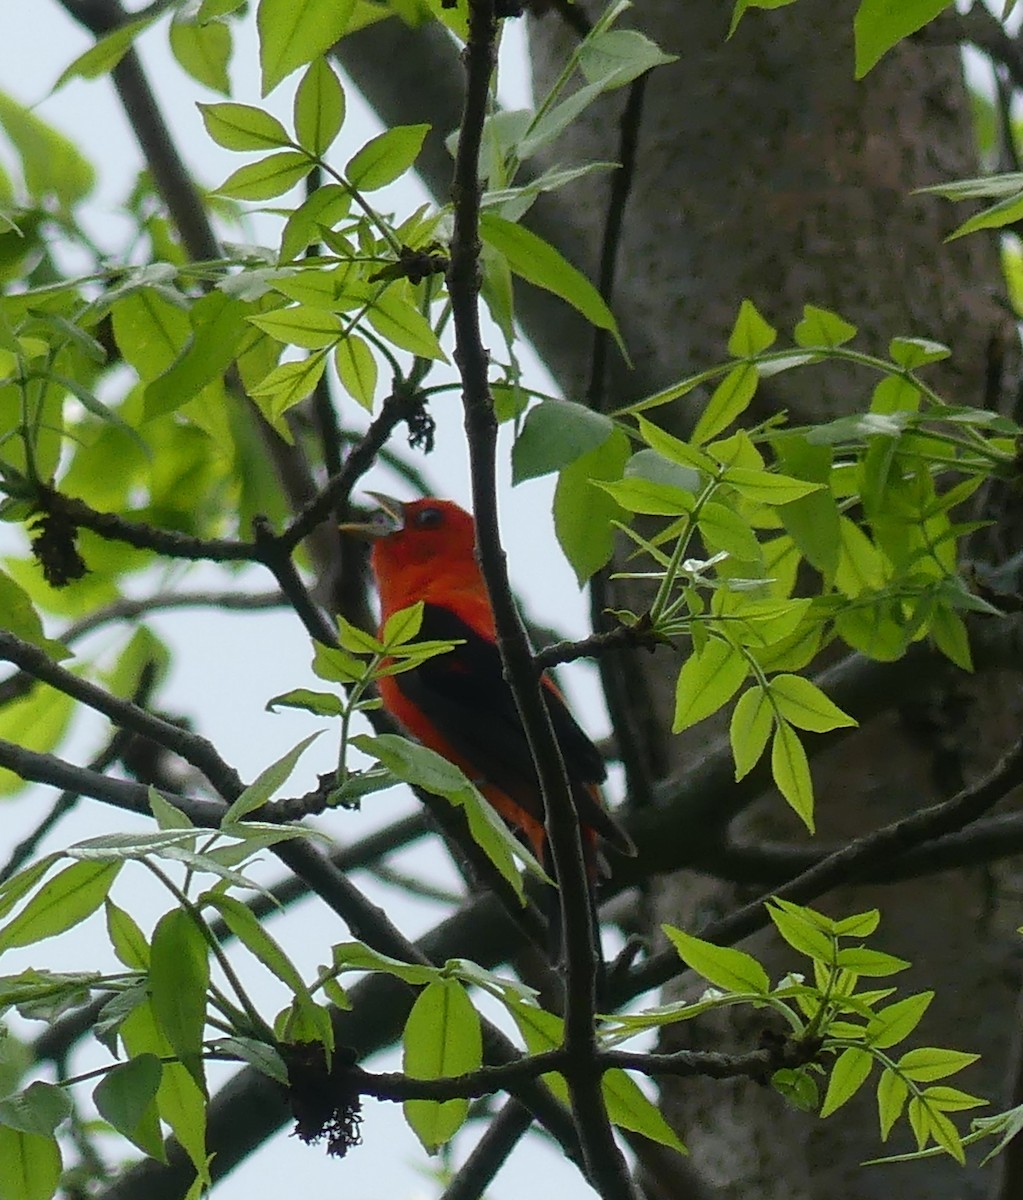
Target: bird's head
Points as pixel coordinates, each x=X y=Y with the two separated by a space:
x=421 y=539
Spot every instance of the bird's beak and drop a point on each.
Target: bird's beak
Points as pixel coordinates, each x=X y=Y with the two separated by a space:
x=389 y=518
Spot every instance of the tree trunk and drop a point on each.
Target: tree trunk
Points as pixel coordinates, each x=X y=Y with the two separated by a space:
x=764 y=171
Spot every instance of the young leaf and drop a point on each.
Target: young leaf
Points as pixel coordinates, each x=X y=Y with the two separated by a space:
x=929 y=1063
x=442 y=1038
x=819 y=327
x=708 y=680
x=321 y=704
x=319 y=108
x=872 y=963
x=539 y=263
x=128 y=941
x=750 y=727
x=892 y=1093
x=766 y=487
x=628 y=1107
x=800 y=933
x=398 y=321
x=751 y=334
x=896 y=1022
x=179 y=974
x=31 y=1165
x=880 y=25
x=204 y=51
x=247 y=929
x=725 y=967
x=357 y=370
x=126 y=1098
x=848 y=1075
x=269 y=177
x=300 y=325
x=729 y=400
x=791 y=772
x=554 y=434
x=804 y=705
x=583 y=514
x=67 y=899
x=243 y=127
x=386 y=157
x=269 y=780
x=39 y=1109
x=179 y=1099
x=292 y=34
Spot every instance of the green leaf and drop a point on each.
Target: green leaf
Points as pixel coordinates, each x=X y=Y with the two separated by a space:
x=355 y=956
x=204 y=51
x=319 y=108
x=819 y=327
x=402 y=324
x=872 y=963
x=709 y=678
x=300 y=325
x=892 y=1094
x=286 y=386
x=947 y=1099
x=51 y=163
x=246 y=928
x=629 y=1108
x=800 y=932
x=583 y=513
x=268 y=782
x=848 y=1075
x=791 y=772
x=180 y=1100
x=729 y=400
x=294 y=32
x=911 y=352
x=674 y=449
x=66 y=900
x=424 y=768
x=882 y=24
x=615 y=57
x=804 y=705
x=127 y=939
x=403 y=625
x=322 y=704
x=386 y=157
x=928 y=1063
x=31 y=1163
x=357 y=370
x=948 y=630
x=106 y=53
x=639 y=495
x=554 y=434
x=243 y=127
x=539 y=263
x=442 y=1038
x=269 y=177
x=751 y=334
x=126 y=1098
x=179 y=974
x=257 y=1054
x=751 y=725
x=12 y=890
x=767 y=487
x=39 y=1109
x=725 y=967
x=21 y=618
x=217 y=331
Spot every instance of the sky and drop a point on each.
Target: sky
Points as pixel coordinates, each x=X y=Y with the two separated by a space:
x=217 y=678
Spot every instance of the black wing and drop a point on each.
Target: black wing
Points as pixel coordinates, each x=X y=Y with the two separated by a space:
x=467 y=697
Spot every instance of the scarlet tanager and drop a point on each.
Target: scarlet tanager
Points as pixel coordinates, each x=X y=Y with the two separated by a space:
x=459 y=704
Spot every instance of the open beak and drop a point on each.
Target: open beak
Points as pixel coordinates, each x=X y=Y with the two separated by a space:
x=389 y=518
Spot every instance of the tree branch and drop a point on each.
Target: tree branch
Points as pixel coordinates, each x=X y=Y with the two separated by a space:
x=603 y=1158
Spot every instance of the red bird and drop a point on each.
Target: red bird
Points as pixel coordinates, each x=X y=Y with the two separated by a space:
x=459 y=704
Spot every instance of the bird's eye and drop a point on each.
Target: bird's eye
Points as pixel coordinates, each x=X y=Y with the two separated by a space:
x=428 y=518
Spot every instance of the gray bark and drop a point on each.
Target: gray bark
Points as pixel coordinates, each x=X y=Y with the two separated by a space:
x=765 y=171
